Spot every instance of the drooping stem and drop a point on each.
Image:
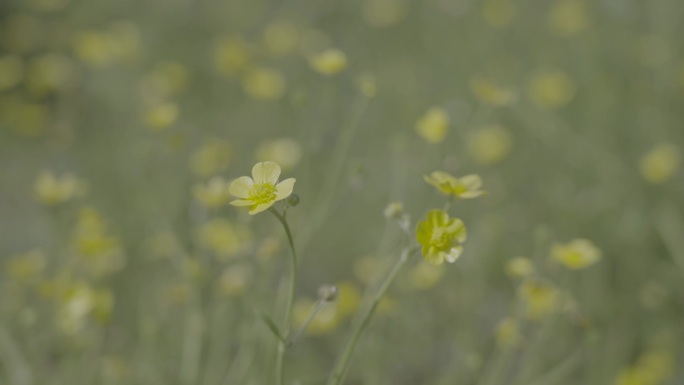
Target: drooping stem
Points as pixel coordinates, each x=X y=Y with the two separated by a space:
x=342 y=364
x=280 y=368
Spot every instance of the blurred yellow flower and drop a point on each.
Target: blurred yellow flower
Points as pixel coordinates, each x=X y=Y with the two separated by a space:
x=224 y=238
x=568 y=17
x=80 y=301
x=28 y=267
x=329 y=62
x=384 y=13
x=661 y=163
x=262 y=190
x=93 y=48
x=231 y=55
x=11 y=71
x=213 y=194
x=441 y=237
x=367 y=84
x=24 y=117
x=49 y=73
x=161 y=116
x=325 y=321
x=433 y=125
x=284 y=151
x=348 y=298
x=167 y=79
x=488 y=92
x=233 y=281
x=100 y=253
x=368 y=268
x=652 y=368
x=508 y=333
x=262 y=83
x=489 y=145
x=424 y=276
x=539 y=298
x=499 y=13
x=212 y=158
x=52 y=190
x=280 y=37
x=519 y=267
x=577 y=254
x=465 y=187
x=551 y=88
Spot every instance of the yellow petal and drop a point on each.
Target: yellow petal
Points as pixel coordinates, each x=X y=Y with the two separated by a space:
x=240 y=187
x=266 y=172
x=472 y=182
x=242 y=202
x=284 y=188
x=260 y=207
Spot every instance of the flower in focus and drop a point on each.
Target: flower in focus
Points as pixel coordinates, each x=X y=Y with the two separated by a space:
x=329 y=62
x=441 y=237
x=433 y=125
x=52 y=190
x=213 y=194
x=466 y=187
x=519 y=267
x=577 y=254
x=490 y=145
x=262 y=190
x=660 y=164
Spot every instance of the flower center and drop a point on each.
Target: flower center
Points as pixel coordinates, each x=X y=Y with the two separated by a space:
x=440 y=239
x=262 y=193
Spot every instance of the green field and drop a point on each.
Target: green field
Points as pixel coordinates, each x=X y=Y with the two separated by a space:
x=127 y=129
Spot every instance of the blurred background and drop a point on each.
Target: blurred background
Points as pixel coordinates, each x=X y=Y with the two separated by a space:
x=121 y=123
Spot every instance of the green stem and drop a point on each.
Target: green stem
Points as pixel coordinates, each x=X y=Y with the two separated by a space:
x=340 y=369
x=280 y=368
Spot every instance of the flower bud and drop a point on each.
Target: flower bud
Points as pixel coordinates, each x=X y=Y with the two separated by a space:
x=328 y=293
x=293 y=200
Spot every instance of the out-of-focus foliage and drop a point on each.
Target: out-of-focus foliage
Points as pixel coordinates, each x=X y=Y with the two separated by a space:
x=123 y=123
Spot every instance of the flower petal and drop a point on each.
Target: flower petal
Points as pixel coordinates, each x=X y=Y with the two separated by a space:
x=266 y=172
x=454 y=253
x=437 y=217
x=284 y=188
x=472 y=182
x=260 y=207
x=433 y=256
x=242 y=202
x=240 y=187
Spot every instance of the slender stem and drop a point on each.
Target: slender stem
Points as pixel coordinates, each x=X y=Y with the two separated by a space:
x=280 y=369
x=340 y=369
x=295 y=337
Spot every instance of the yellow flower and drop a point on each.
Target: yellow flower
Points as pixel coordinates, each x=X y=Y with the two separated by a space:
x=577 y=254
x=329 y=62
x=263 y=83
x=568 y=17
x=348 y=298
x=231 y=55
x=233 y=281
x=285 y=151
x=489 y=145
x=262 y=190
x=224 y=238
x=53 y=190
x=554 y=89
x=660 y=164
x=424 y=276
x=466 y=187
x=519 y=267
x=433 y=125
x=326 y=320
x=508 y=333
x=539 y=298
x=49 y=73
x=488 y=92
x=27 y=267
x=441 y=237
x=213 y=194
x=160 y=116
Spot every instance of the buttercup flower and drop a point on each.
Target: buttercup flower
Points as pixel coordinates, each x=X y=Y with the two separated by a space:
x=576 y=254
x=441 y=237
x=262 y=190
x=466 y=187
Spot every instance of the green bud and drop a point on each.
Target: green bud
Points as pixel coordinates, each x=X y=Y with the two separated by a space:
x=293 y=200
